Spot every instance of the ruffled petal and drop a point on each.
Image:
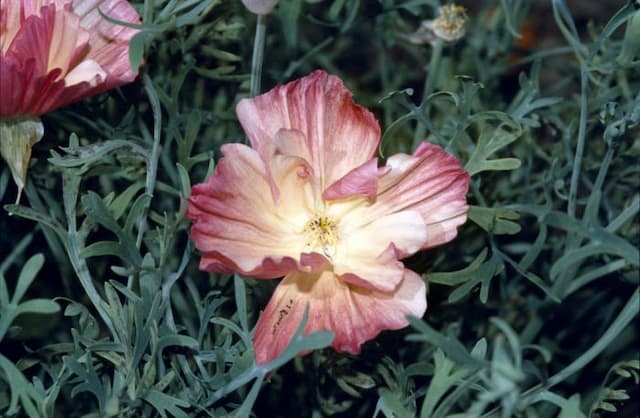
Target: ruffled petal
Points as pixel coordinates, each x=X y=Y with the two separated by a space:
x=10 y=16
x=430 y=182
x=32 y=42
x=355 y=315
x=382 y=272
x=88 y=71
x=362 y=180
x=68 y=43
x=339 y=135
x=239 y=222
x=109 y=42
x=56 y=41
x=368 y=255
x=291 y=142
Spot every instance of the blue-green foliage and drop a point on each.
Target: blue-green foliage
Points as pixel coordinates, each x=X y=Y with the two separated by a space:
x=104 y=313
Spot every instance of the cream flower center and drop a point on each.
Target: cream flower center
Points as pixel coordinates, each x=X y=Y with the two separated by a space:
x=322 y=231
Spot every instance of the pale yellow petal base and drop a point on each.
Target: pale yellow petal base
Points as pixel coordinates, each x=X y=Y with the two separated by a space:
x=17 y=136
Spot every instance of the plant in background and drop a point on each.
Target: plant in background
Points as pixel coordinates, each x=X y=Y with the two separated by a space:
x=52 y=53
x=309 y=202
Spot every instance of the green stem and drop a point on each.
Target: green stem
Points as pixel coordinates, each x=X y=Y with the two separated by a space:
x=152 y=164
x=582 y=129
x=567 y=280
x=432 y=75
x=8 y=315
x=383 y=68
x=74 y=244
x=604 y=168
x=573 y=241
x=258 y=54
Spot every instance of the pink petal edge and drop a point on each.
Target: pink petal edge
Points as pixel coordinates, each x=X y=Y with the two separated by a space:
x=362 y=180
x=31 y=88
x=431 y=182
x=237 y=221
x=339 y=134
x=353 y=314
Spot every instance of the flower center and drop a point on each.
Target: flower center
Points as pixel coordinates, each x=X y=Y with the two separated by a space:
x=322 y=231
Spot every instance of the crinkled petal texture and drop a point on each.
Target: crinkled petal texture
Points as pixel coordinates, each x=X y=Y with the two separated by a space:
x=429 y=182
x=56 y=52
x=354 y=314
x=240 y=225
x=308 y=201
x=334 y=135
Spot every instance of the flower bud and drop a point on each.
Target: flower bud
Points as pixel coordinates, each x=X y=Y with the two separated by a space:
x=448 y=26
x=260 y=7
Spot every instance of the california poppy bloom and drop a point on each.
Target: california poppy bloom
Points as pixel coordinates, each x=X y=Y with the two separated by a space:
x=309 y=202
x=53 y=53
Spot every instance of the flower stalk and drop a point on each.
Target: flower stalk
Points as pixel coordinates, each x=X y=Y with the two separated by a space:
x=433 y=71
x=258 y=55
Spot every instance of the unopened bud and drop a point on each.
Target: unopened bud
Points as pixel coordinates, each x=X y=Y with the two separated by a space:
x=260 y=7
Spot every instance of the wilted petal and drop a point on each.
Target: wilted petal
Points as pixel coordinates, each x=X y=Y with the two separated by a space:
x=355 y=315
x=339 y=135
x=17 y=139
x=431 y=182
x=239 y=222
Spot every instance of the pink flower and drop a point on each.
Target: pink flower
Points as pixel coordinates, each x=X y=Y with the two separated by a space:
x=53 y=53
x=56 y=52
x=309 y=202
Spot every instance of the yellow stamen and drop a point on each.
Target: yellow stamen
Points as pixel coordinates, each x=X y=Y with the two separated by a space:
x=322 y=231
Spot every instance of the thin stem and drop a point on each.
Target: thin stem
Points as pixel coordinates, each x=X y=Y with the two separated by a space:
x=582 y=129
x=384 y=68
x=152 y=164
x=604 y=168
x=258 y=55
x=74 y=243
x=573 y=241
x=567 y=281
x=432 y=75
